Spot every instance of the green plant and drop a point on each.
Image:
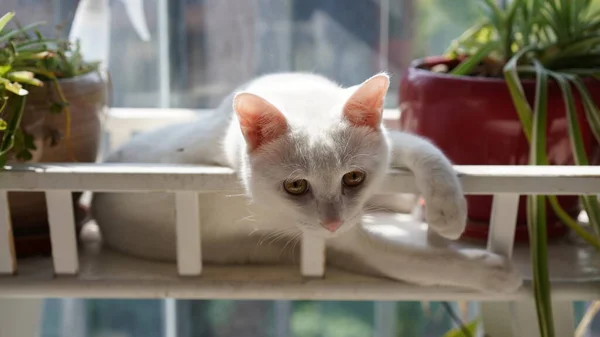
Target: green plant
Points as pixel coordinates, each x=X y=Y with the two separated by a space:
x=546 y=40
x=468 y=330
x=29 y=59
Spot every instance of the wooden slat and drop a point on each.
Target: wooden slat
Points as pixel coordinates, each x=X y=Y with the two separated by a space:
x=62 y=232
x=239 y=282
x=524 y=318
x=119 y=177
x=503 y=222
x=563 y=315
x=563 y=180
x=497 y=319
x=189 y=252
x=386 y=318
x=312 y=261
x=7 y=251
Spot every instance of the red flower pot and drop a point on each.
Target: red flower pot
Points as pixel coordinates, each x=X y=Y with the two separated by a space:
x=473 y=121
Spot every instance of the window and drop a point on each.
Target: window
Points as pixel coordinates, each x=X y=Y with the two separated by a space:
x=199 y=51
x=148 y=318
x=202 y=49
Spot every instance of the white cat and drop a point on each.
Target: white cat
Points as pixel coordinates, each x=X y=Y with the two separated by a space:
x=310 y=155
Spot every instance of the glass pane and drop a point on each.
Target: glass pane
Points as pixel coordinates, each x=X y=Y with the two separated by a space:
x=202 y=49
x=124 y=318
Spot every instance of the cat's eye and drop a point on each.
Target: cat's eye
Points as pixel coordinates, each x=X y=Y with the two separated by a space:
x=296 y=187
x=354 y=178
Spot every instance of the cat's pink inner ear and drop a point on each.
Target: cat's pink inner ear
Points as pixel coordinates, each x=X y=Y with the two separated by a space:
x=365 y=106
x=260 y=121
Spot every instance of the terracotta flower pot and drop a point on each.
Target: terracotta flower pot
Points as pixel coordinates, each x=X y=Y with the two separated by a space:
x=86 y=95
x=472 y=119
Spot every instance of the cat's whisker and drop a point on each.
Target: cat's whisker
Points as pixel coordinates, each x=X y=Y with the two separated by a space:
x=376 y=209
x=247 y=218
x=235 y=195
x=296 y=239
x=253 y=231
x=272 y=237
x=291 y=239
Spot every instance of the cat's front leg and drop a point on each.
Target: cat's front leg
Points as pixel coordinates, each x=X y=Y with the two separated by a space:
x=421 y=264
x=446 y=207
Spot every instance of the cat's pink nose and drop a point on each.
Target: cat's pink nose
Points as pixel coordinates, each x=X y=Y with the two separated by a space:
x=332 y=226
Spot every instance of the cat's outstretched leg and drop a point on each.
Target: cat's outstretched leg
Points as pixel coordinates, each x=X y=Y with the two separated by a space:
x=446 y=207
x=422 y=264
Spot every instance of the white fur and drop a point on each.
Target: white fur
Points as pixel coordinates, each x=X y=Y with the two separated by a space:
x=263 y=225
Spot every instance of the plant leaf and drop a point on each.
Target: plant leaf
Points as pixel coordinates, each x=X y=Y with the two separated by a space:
x=588 y=237
x=578 y=148
x=8 y=139
x=25 y=77
x=517 y=94
x=5 y=19
x=579 y=154
x=537 y=208
x=467 y=66
x=12 y=33
x=591 y=110
x=458 y=332
x=3 y=124
x=4 y=69
x=13 y=87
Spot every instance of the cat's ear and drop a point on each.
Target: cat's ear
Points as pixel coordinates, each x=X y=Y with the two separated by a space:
x=365 y=106
x=260 y=121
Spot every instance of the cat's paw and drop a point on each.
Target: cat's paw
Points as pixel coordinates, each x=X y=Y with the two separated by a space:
x=447 y=214
x=494 y=273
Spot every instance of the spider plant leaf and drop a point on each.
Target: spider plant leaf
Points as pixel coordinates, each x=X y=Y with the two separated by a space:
x=581 y=47
x=11 y=33
x=13 y=87
x=4 y=69
x=3 y=124
x=566 y=219
x=592 y=111
x=537 y=208
x=8 y=138
x=494 y=13
x=586 y=60
x=467 y=66
x=549 y=19
x=577 y=146
x=590 y=204
x=556 y=207
x=471 y=329
x=25 y=77
x=507 y=35
x=517 y=94
x=579 y=154
x=538 y=134
x=39 y=71
x=41 y=44
x=467 y=35
x=538 y=242
x=5 y=19
x=567 y=16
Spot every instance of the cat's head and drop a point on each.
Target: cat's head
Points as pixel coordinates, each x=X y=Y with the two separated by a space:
x=318 y=176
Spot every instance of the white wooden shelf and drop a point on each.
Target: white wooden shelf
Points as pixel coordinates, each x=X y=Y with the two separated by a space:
x=574 y=268
x=110 y=177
